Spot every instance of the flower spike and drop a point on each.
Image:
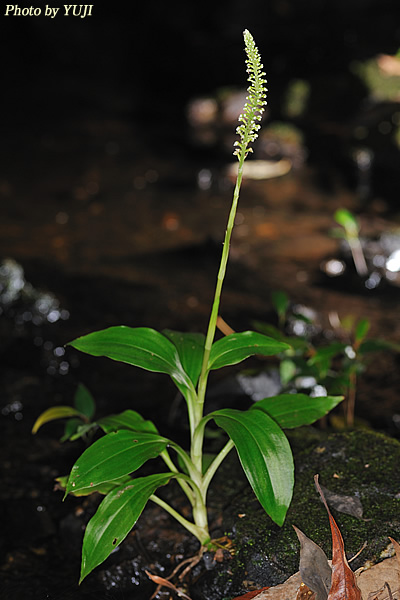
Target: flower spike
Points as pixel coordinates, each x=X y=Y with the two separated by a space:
x=256 y=100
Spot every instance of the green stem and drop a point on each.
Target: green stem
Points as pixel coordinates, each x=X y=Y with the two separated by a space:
x=220 y=280
x=212 y=325
x=200 y=533
x=216 y=463
x=184 y=485
x=358 y=255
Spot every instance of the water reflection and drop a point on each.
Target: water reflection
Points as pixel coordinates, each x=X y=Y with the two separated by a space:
x=29 y=312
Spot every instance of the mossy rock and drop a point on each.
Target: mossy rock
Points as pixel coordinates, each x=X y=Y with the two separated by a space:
x=358 y=463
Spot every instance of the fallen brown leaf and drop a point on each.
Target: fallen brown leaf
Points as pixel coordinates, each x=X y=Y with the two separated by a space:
x=350 y=505
x=304 y=593
x=315 y=570
x=344 y=584
x=372 y=581
x=284 y=591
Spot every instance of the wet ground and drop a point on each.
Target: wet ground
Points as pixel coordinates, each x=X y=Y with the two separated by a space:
x=118 y=235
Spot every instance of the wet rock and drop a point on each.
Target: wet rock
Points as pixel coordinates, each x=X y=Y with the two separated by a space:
x=360 y=463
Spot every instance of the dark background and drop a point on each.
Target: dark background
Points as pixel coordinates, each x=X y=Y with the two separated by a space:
x=148 y=58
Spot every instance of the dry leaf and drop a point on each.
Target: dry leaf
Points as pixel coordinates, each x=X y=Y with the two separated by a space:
x=396 y=547
x=343 y=579
x=368 y=581
x=304 y=593
x=314 y=567
x=284 y=591
x=161 y=581
x=372 y=581
x=250 y=595
x=350 y=505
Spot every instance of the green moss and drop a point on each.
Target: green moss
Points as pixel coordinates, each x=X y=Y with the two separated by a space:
x=359 y=463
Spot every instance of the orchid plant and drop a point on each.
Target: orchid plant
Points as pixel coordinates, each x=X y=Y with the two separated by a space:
x=107 y=465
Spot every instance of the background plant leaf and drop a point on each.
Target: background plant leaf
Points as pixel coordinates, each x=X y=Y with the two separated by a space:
x=84 y=402
x=294 y=342
x=128 y=419
x=348 y=221
x=361 y=329
x=265 y=455
x=53 y=413
x=377 y=345
x=234 y=348
x=81 y=431
x=295 y=410
x=327 y=352
x=115 y=517
x=113 y=456
x=280 y=301
x=70 y=428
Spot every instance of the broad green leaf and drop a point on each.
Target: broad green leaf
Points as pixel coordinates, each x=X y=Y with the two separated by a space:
x=139 y=346
x=56 y=412
x=84 y=402
x=236 y=347
x=190 y=347
x=102 y=488
x=115 y=517
x=112 y=456
x=265 y=455
x=295 y=410
x=128 y=419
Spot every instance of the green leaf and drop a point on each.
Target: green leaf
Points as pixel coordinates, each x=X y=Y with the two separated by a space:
x=71 y=427
x=287 y=370
x=102 y=488
x=190 y=347
x=56 y=412
x=139 y=346
x=112 y=456
x=115 y=517
x=377 y=345
x=128 y=419
x=295 y=342
x=347 y=220
x=234 y=348
x=295 y=410
x=84 y=402
x=265 y=455
x=82 y=430
x=361 y=330
x=280 y=301
x=327 y=352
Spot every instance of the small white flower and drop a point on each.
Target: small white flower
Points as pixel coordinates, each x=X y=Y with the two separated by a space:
x=256 y=100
